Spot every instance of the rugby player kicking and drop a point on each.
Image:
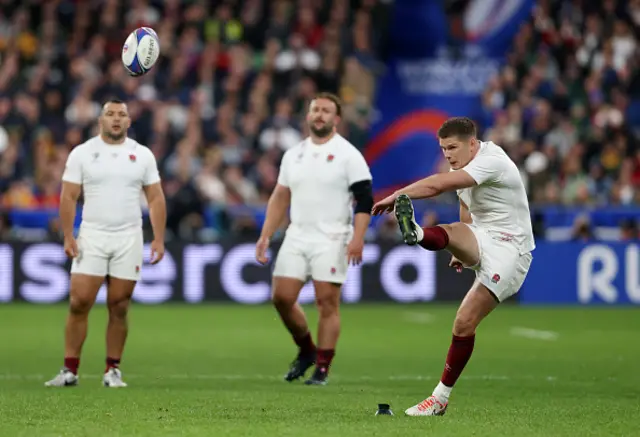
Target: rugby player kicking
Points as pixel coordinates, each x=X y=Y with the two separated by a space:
x=319 y=180
x=112 y=170
x=494 y=237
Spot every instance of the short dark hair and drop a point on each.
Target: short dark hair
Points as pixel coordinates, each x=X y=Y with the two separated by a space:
x=115 y=101
x=335 y=99
x=462 y=127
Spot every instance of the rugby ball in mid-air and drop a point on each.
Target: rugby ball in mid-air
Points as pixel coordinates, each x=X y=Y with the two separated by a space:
x=140 y=51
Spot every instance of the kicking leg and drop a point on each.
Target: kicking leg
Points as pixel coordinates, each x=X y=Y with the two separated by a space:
x=285 y=299
x=477 y=304
x=328 y=303
x=82 y=295
x=457 y=238
x=119 y=294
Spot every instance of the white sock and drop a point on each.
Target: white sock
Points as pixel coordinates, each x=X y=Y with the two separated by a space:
x=419 y=231
x=442 y=392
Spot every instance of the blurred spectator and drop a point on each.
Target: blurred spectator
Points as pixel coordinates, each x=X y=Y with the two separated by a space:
x=629 y=230
x=582 y=230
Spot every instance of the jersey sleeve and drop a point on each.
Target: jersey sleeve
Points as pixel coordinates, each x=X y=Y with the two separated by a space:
x=283 y=178
x=73 y=168
x=357 y=168
x=485 y=169
x=151 y=173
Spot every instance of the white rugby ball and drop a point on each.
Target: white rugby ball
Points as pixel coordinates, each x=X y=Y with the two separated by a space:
x=140 y=51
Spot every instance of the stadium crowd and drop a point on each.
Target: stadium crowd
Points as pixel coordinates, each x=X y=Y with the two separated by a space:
x=229 y=93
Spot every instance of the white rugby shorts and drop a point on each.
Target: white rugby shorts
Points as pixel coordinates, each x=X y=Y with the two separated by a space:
x=324 y=261
x=107 y=253
x=503 y=267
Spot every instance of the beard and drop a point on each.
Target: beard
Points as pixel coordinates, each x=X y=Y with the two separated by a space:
x=114 y=136
x=323 y=131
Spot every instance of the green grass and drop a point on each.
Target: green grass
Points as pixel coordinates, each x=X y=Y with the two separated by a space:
x=216 y=371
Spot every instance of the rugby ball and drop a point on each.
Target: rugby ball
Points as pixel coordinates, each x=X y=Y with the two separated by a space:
x=140 y=51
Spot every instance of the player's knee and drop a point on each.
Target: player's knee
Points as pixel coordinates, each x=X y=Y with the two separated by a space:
x=118 y=308
x=283 y=300
x=79 y=305
x=464 y=325
x=327 y=305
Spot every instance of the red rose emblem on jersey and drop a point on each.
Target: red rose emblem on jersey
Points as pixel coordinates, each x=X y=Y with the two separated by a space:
x=132 y=158
x=330 y=158
x=495 y=278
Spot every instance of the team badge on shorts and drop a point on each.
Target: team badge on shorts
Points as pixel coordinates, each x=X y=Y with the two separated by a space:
x=333 y=270
x=330 y=158
x=495 y=278
x=132 y=158
x=137 y=269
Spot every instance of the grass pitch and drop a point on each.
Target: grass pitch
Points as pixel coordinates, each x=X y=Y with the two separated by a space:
x=217 y=371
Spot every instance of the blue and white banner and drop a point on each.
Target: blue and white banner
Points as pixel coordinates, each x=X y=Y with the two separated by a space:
x=585 y=274
x=443 y=53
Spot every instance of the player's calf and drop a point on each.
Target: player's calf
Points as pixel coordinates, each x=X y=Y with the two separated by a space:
x=284 y=298
x=328 y=303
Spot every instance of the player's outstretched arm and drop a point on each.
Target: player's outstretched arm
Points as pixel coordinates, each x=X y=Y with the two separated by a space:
x=276 y=210
x=437 y=184
x=428 y=187
x=158 y=216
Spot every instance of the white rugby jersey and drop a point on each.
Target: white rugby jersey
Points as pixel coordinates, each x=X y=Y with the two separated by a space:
x=319 y=177
x=112 y=177
x=499 y=202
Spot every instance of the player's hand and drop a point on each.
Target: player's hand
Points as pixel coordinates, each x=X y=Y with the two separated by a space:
x=456 y=264
x=71 y=247
x=157 y=251
x=386 y=205
x=261 y=250
x=354 y=252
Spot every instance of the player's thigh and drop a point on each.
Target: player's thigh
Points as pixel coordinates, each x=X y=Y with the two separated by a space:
x=126 y=262
x=329 y=262
x=503 y=269
x=464 y=244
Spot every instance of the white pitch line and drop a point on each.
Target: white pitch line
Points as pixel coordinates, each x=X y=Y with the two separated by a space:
x=419 y=318
x=534 y=334
x=258 y=377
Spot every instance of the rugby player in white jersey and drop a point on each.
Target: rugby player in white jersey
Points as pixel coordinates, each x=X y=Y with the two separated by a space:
x=494 y=237
x=112 y=171
x=320 y=179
